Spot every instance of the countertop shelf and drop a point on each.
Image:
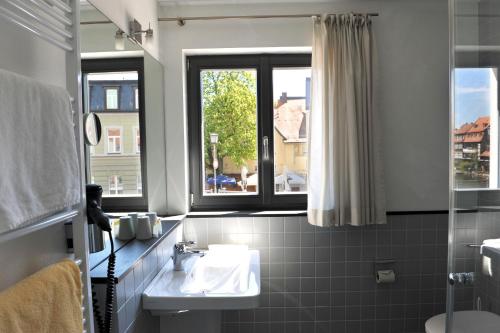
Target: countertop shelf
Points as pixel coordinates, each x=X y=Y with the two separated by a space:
x=127 y=254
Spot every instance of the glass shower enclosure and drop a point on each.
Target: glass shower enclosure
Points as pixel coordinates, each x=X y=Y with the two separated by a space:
x=474 y=229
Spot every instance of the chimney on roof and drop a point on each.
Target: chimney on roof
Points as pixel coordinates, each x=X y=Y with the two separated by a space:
x=283 y=99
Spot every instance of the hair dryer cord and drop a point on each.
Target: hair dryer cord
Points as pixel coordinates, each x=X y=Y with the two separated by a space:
x=105 y=325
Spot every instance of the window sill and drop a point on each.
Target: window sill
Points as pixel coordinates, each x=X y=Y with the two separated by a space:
x=245 y=213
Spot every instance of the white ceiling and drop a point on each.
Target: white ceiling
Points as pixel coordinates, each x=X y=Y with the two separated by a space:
x=242 y=2
x=85 y=3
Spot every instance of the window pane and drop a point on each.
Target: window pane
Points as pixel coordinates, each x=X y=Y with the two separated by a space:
x=136 y=96
x=476 y=128
x=115 y=163
x=291 y=98
x=111 y=98
x=229 y=129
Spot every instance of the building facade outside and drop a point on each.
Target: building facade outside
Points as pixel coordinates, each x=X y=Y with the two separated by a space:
x=115 y=162
x=472 y=152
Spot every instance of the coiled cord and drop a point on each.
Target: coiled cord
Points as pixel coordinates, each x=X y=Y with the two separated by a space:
x=106 y=324
x=97 y=311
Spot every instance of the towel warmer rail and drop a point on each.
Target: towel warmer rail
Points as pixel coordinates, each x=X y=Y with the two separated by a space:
x=58 y=22
x=47 y=20
x=47 y=222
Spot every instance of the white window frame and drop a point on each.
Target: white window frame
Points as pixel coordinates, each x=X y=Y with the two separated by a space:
x=114 y=151
x=136 y=133
x=139 y=183
x=136 y=98
x=106 y=98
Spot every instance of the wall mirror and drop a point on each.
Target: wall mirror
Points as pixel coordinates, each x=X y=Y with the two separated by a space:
x=123 y=85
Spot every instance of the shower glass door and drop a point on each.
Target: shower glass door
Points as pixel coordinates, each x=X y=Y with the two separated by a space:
x=474 y=269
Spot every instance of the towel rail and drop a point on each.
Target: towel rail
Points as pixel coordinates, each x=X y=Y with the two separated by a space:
x=21 y=5
x=78 y=262
x=57 y=22
x=47 y=222
x=50 y=12
x=41 y=19
x=61 y=5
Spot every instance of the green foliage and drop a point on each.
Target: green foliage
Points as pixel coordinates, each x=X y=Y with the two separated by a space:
x=229 y=105
x=467 y=165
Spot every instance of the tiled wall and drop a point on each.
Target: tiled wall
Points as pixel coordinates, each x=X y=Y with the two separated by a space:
x=129 y=317
x=322 y=279
x=473 y=228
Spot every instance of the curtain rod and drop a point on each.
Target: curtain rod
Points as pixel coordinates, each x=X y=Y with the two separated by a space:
x=182 y=20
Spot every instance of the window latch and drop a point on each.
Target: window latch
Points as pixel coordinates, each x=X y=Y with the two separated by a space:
x=265 y=148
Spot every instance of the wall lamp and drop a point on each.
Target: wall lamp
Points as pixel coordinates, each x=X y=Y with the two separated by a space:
x=136 y=32
x=119 y=40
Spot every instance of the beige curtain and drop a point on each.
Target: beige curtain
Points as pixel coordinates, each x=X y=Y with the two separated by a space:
x=345 y=171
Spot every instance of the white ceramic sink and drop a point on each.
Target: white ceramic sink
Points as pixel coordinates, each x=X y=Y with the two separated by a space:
x=181 y=290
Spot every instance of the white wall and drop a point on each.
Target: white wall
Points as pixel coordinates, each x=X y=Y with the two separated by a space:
x=412 y=89
x=122 y=12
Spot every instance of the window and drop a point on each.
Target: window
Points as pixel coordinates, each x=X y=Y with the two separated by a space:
x=115 y=185
x=248 y=117
x=112 y=95
x=114 y=136
x=476 y=157
x=117 y=162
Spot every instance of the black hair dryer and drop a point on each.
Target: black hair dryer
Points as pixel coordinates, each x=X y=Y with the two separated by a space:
x=98 y=225
x=98 y=222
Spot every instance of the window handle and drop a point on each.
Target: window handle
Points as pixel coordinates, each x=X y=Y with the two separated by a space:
x=265 y=148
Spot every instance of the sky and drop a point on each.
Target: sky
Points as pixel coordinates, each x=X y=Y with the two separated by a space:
x=474 y=89
x=290 y=80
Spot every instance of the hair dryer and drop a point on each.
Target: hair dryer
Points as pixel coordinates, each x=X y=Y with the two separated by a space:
x=99 y=223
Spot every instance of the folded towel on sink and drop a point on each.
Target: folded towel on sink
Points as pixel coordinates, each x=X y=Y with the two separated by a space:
x=220 y=271
x=493 y=243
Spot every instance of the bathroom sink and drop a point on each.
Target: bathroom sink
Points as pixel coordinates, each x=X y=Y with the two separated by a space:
x=206 y=285
x=465 y=322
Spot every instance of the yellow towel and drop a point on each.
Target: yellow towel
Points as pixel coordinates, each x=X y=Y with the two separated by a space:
x=48 y=301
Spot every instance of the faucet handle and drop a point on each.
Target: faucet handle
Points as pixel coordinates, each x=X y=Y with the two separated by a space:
x=180 y=247
x=187 y=243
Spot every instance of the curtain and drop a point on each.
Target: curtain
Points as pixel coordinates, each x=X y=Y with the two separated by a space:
x=345 y=169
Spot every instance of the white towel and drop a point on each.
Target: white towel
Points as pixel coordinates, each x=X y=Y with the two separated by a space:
x=39 y=172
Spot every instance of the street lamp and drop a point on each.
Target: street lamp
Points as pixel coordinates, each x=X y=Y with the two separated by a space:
x=214 y=139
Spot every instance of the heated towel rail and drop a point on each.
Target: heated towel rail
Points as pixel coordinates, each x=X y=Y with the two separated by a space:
x=58 y=22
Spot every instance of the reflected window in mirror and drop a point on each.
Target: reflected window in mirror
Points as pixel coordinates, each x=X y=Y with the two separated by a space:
x=136 y=98
x=112 y=97
x=475 y=136
x=114 y=140
x=115 y=185
x=113 y=89
x=139 y=184
x=137 y=136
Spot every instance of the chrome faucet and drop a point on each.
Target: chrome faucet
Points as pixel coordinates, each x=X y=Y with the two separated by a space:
x=182 y=251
